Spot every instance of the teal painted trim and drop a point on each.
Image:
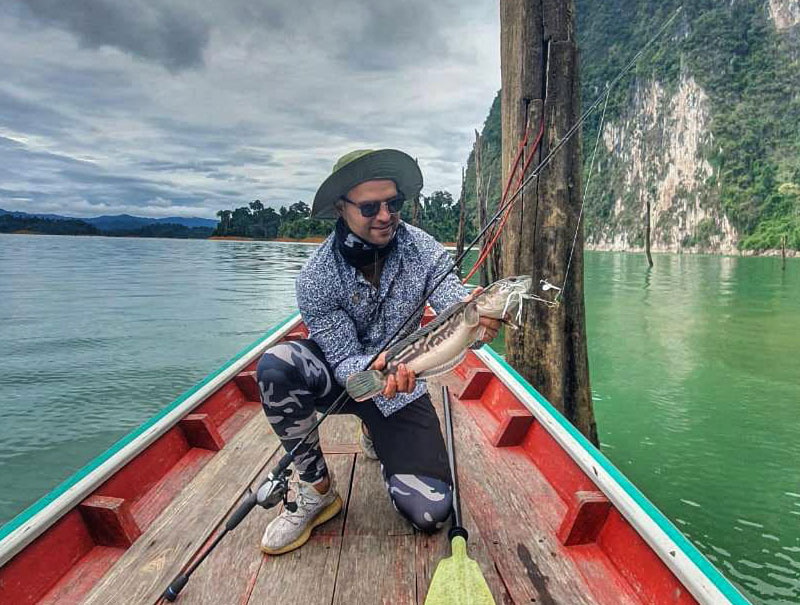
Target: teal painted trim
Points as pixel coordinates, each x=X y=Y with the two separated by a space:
x=81 y=473
x=690 y=550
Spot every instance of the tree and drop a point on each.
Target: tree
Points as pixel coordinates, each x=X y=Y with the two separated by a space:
x=272 y=223
x=224 y=226
x=439 y=216
x=258 y=212
x=539 y=64
x=242 y=221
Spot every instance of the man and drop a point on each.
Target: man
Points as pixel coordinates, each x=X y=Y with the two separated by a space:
x=353 y=293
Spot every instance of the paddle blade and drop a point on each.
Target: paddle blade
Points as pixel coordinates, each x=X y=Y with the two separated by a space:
x=458 y=580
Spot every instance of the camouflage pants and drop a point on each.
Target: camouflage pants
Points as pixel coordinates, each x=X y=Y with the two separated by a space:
x=295 y=382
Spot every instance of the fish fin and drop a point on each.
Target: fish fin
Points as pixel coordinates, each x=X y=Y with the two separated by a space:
x=444 y=368
x=364 y=385
x=471 y=315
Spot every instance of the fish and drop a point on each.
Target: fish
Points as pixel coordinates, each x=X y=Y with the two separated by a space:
x=442 y=344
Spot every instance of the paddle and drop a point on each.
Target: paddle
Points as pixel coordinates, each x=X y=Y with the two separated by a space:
x=458 y=580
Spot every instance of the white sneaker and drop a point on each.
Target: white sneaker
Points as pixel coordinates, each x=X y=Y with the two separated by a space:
x=367 y=446
x=290 y=530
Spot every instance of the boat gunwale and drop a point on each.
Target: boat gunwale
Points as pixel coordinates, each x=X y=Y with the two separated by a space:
x=34 y=520
x=705 y=582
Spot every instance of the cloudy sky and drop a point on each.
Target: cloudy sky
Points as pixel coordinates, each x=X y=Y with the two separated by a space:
x=184 y=107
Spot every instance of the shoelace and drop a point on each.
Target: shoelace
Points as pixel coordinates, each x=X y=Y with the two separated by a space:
x=301 y=500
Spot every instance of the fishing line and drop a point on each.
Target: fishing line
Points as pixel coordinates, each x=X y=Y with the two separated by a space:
x=571 y=132
x=506 y=204
x=486 y=249
x=560 y=291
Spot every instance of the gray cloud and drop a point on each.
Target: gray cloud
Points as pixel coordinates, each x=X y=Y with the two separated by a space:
x=369 y=35
x=398 y=33
x=149 y=29
x=284 y=90
x=37 y=118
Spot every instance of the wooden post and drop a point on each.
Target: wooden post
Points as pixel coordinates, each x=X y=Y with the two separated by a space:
x=539 y=63
x=462 y=214
x=495 y=272
x=649 y=195
x=783 y=253
x=481 y=201
x=415 y=208
x=647 y=235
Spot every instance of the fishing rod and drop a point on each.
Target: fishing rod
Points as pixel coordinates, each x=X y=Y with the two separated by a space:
x=275 y=488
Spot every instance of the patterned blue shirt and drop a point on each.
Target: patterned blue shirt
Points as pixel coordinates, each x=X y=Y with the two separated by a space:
x=351 y=320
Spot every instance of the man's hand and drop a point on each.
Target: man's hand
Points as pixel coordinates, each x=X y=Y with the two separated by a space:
x=489 y=326
x=403 y=381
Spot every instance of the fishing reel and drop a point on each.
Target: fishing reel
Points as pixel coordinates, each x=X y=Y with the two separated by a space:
x=276 y=490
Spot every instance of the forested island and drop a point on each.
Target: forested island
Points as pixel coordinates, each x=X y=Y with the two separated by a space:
x=437 y=214
x=38 y=225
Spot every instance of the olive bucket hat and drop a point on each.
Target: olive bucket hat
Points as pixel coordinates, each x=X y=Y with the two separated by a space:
x=363 y=165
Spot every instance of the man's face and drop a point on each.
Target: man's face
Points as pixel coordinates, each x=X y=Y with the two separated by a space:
x=379 y=229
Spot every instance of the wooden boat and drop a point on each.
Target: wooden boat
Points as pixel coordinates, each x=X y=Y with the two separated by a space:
x=551 y=519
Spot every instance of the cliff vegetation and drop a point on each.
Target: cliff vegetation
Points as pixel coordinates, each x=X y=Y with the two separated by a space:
x=707 y=128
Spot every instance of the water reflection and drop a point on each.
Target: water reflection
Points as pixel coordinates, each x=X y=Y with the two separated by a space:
x=699 y=375
x=694 y=370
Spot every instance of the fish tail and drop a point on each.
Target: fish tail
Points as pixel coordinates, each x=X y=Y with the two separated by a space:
x=364 y=385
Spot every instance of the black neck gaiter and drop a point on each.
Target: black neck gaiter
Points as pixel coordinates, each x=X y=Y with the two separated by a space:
x=356 y=251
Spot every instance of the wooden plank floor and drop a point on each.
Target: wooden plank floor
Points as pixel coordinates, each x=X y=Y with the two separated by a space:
x=368 y=553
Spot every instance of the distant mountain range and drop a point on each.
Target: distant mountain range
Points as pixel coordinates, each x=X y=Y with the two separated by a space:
x=120 y=222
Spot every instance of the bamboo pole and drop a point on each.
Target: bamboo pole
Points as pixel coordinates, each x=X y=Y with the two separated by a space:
x=462 y=214
x=481 y=202
x=647 y=235
x=783 y=253
x=415 y=207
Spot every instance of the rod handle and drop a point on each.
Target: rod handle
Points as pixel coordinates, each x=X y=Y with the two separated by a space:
x=240 y=513
x=174 y=589
x=283 y=464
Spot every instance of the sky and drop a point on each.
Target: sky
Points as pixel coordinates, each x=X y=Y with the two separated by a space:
x=185 y=107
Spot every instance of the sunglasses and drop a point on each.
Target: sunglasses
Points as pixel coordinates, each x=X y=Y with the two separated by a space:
x=370 y=209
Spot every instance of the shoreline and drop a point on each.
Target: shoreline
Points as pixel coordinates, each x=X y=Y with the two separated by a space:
x=308 y=241
x=282 y=240
x=771 y=252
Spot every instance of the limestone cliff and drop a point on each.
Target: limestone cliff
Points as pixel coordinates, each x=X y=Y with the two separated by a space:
x=784 y=13
x=707 y=128
x=659 y=153
x=707 y=131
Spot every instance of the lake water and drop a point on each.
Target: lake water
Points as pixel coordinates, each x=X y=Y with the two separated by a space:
x=695 y=370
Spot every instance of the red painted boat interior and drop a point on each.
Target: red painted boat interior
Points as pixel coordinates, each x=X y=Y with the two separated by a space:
x=66 y=561
x=591 y=529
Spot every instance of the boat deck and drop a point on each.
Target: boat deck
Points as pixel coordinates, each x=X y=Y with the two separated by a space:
x=368 y=553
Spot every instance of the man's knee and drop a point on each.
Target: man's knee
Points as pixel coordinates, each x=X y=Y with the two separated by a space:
x=275 y=369
x=290 y=367
x=426 y=502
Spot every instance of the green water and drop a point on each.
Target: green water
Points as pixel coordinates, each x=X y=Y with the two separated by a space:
x=695 y=369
